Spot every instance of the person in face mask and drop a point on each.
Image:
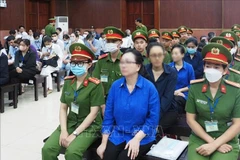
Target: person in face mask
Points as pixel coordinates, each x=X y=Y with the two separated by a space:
x=213 y=109
x=80 y=121
x=140 y=39
x=167 y=43
x=57 y=41
x=74 y=38
x=107 y=68
x=37 y=42
x=184 y=35
x=49 y=51
x=24 y=64
x=194 y=57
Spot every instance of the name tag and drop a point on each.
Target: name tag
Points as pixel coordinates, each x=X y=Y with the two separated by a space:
x=74 y=108
x=211 y=126
x=20 y=64
x=201 y=101
x=104 y=78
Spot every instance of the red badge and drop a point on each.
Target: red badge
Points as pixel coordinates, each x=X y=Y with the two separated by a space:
x=85 y=83
x=223 y=89
x=204 y=88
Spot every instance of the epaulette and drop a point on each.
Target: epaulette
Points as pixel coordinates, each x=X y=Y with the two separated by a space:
x=232 y=83
x=237 y=59
x=234 y=70
x=94 y=80
x=69 y=77
x=197 y=81
x=103 y=56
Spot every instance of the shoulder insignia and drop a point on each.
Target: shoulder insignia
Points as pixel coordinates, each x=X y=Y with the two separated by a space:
x=103 y=56
x=94 y=80
x=234 y=70
x=69 y=77
x=197 y=81
x=237 y=59
x=85 y=83
x=232 y=83
x=223 y=89
x=204 y=88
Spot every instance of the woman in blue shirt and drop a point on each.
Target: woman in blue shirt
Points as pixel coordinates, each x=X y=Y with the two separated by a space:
x=194 y=57
x=164 y=78
x=132 y=113
x=185 y=75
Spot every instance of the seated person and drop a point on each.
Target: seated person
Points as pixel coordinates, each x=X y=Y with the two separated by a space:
x=11 y=51
x=164 y=78
x=213 y=109
x=185 y=75
x=3 y=68
x=37 y=42
x=194 y=57
x=56 y=40
x=130 y=122
x=80 y=121
x=49 y=52
x=24 y=63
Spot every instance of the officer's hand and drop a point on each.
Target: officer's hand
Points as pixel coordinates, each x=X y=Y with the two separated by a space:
x=133 y=148
x=206 y=149
x=63 y=137
x=225 y=148
x=69 y=140
x=101 y=149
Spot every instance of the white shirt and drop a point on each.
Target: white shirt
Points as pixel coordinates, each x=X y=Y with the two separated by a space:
x=60 y=43
x=102 y=44
x=55 y=49
x=127 y=42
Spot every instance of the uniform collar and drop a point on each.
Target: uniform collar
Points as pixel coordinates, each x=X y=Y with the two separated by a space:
x=139 y=83
x=84 y=84
x=221 y=90
x=118 y=56
x=144 y=53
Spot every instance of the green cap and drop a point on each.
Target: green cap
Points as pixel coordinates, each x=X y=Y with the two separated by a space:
x=182 y=29
x=176 y=34
x=167 y=35
x=189 y=31
x=113 y=33
x=235 y=27
x=223 y=41
x=237 y=32
x=153 y=33
x=231 y=36
x=79 y=51
x=216 y=53
x=139 y=33
x=52 y=19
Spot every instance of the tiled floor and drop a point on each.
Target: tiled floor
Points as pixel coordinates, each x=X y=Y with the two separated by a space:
x=23 y=129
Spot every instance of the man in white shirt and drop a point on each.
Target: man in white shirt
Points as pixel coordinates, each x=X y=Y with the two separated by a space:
x=102 y=41
x=56 y=40
x=127 y=41
x=60 y=33
x=22 y=32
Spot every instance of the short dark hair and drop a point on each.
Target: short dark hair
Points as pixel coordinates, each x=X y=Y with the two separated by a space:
x=66 y=36
x=54 y=33
x=21 y=27
x=152 y=40
x=101 y=34
x=25 y=41
x=10 y=38
x=180 y=47
x=36 y=34
x=153 y=44
x=192 y=40
x=47 y=39
x=76 y=34
x=58 y=28
x=12 y=32
x=89 y=36
x=139 y=20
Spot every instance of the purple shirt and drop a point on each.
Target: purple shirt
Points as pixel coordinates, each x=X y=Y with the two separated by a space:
x=34 y=51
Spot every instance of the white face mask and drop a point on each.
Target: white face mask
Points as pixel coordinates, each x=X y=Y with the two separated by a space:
x=233 y=51
x=48 y=46
x=212 y=75
x=73 y=39
x=84 y=36
x=111 y=47
x=238 y=43
x=55 y=38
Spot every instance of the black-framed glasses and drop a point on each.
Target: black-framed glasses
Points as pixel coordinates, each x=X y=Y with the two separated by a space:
x=79 y=64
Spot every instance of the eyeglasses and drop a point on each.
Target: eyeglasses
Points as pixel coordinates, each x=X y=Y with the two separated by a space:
x=79 y=64
x=127 y=62
x=156 y=56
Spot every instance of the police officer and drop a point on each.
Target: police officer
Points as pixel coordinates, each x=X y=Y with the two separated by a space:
x=140 y=39
x=50 y=28
x=167 y=42
x=154 y=33
x=140 y=25
x=183 y=32
x=232 y=74
x=176 y=37
x=213 y=109
x=189 y=32
x=83 y=95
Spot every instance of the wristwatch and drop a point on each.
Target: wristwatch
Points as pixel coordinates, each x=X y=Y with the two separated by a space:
x=75 y=133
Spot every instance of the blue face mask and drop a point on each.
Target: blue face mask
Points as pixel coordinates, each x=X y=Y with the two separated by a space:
x=191 y=50
x=78 y=71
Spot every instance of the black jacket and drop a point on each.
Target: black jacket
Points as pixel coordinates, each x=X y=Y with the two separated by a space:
x=3 y=69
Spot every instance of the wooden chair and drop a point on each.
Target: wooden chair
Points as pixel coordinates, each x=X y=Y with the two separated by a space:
x=57 y=75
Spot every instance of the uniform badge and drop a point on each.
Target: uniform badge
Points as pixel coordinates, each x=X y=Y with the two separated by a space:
x=153 y=32
x=78 y=48
x=228 y=35
x=220 y=42
x=215 y=51
x=138 y=33
x=110 y=31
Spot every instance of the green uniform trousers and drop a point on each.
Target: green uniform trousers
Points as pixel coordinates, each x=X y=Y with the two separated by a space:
x=76 y=149
x=193 y=155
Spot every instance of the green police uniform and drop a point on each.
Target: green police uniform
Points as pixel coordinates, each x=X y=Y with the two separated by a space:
x=176 y=34
x=227 y=101
x=79 y=101
x=142 y=27
x=143 y=35
x=105 y=69
x=235 y=27
x=168 y=57
x=49 y=29
x=153 y=33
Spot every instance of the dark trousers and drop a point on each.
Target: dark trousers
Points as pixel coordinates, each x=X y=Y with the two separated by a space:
x=117 y=152
x=179 y=104
x=23 y=77
x=167 y=120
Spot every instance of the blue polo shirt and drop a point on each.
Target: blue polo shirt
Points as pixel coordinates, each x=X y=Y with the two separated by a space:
x=165 y=85
x=196 y=62
x=128 y=113
x=185 y=75
x=96 y=44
